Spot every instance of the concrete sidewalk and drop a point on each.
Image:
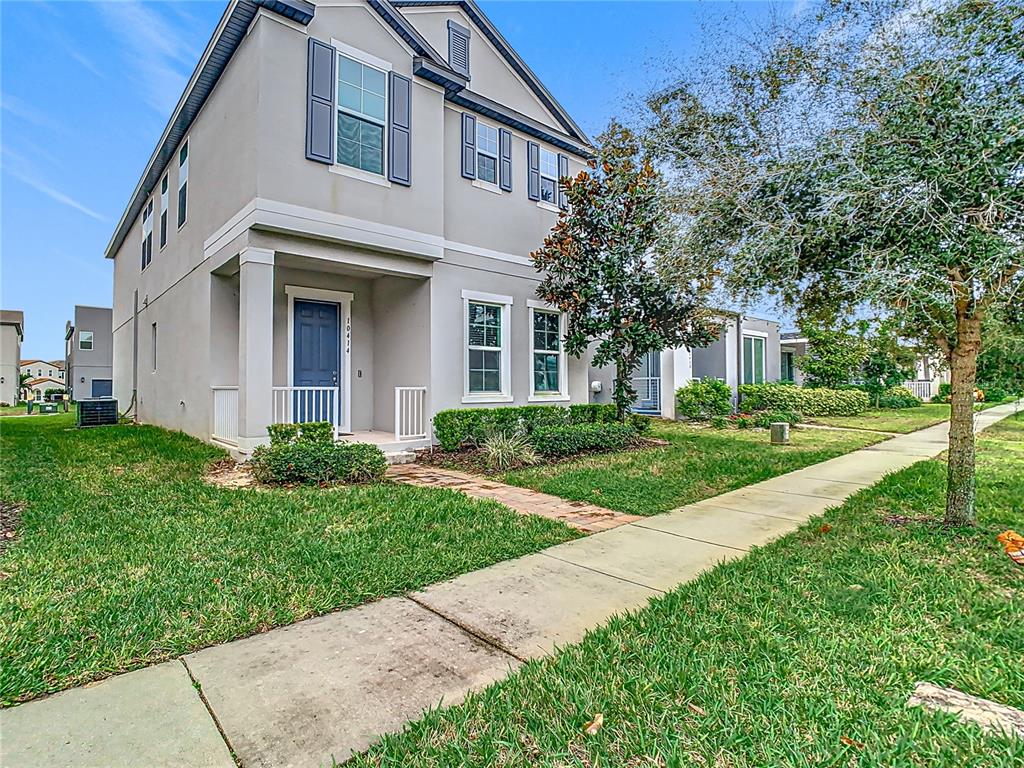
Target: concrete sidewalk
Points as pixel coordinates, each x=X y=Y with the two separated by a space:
x=326 y=687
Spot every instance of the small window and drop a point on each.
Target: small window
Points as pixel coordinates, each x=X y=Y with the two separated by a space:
x=786 y=373
x=85 y=339
x=484 y=334
x=147 y=235
x=486 y=153
x=362 y=111
x=182 y=185
x=547 y=352
x=163 y=211
x=153 y=343
x=753 y=360
x=548 y=176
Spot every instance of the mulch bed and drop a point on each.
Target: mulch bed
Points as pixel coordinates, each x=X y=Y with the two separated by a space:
x=10 y=517
x=472 y=459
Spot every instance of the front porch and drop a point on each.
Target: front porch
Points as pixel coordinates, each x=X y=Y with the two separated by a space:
x=300 y=339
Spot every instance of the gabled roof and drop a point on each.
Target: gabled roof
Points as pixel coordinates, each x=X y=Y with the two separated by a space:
x=477 y=16
x=53 y=363
x=40 y=380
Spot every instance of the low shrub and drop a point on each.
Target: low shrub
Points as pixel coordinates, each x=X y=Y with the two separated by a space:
x=703 y=399
x=993 y=393
x=570 y=439
x=942 y=396
x=720 y=422
x=817 y=401
x=765 y=419
x=898 y=397
x=508 y=450
x=744 y=422
x=470 y=426
x=306 y=454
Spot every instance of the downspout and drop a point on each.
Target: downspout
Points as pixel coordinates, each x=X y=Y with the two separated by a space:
x=132 y=406
x=739 y=358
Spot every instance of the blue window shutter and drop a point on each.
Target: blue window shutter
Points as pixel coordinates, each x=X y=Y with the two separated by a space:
x=458 y=48
x=533 y=170
x=468 y=146
x=505 y=159
x=400 y=130
x=320 y=59
x=563 y=171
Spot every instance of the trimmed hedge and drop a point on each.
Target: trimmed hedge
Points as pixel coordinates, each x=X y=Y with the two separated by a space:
x=704 y=399
x=460 y=426
x=306 y=454
x=898 y=397
x=816 y=401
x=571 y=439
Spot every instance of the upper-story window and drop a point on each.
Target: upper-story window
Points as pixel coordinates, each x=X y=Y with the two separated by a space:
x=85 y=340
x=147 y=234
x=182 y=184
x=362 y=115
x=486 y=153
x=163 y=211
x=548 y=176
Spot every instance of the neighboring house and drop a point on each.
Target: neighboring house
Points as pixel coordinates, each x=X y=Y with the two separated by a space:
x=44 y=369
x=336 y=223
x=792 y=346
x=929 y=373
x=89 y=353
x=12 y=333
x=746 y=352
x=39 y=386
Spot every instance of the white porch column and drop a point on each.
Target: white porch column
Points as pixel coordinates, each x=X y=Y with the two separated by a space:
x=676 y=372
x=255 y=345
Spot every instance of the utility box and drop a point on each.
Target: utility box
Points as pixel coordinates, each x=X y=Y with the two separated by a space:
x=780 y=433
x=97 y=413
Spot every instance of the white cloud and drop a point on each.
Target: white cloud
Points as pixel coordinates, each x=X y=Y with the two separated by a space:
x=21 y=169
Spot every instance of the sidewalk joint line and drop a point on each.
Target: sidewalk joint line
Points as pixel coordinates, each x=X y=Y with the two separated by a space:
x=489 y=641
x=762 y=514
x=198 y=687
x=609 y=575
x=694 y=538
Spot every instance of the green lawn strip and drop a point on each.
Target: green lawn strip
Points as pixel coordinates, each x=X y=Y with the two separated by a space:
x=698 y=463
x=125 y=557
x=903 y=420
x=775 y=659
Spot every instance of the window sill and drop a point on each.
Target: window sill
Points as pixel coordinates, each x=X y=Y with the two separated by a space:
x=554 y=398
x=486 y=185
x=357 y=173
x=496 y=397
x=548 y=206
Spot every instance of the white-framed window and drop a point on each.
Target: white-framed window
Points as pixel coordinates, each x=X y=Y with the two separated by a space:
x=486 y=323
x=362 y=99
x=163 y=210
x=753 y=359
x=548 y=176
x=486 y=153
x=182 y=185
x=547 y=353
x=85 y=340
x=147 y=234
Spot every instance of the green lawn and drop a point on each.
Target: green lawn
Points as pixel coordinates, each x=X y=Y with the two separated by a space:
x=125 y=557
x=698 y=463
x=902 y=420
x=803 y=653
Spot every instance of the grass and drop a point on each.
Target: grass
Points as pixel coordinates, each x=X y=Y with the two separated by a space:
x=902 y=420
x=126 y=557
x=802 y=653
x=697 y=463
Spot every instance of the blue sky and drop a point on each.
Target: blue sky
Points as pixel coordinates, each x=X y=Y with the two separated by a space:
x=87 y=88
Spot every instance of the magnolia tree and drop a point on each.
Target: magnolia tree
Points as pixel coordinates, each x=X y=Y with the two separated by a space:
x=866 y=152
x=598 y=266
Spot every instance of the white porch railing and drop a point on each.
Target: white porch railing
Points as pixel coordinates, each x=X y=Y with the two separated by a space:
x=298 y=405
x=225 y=414
x=648 y=394
x=410 y=413
x=921 y=388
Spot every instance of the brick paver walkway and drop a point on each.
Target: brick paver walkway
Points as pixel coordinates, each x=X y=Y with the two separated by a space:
x=578 y=514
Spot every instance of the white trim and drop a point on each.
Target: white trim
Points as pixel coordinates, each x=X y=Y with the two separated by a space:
x=92 y=341
x=563 y=385
x=361 y=56
x=743 y=357
x=371 y=61
x=487 y=298
x=486 y=185
x=474 y=250
x=251 y=254
x=182 y=181
x=263 y=13
x=760 y=334
x=505 y=355
x=545 y=205
x=344 y=301
x=359 y=173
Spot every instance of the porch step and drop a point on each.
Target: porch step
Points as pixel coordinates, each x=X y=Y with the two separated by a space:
x=400 y=457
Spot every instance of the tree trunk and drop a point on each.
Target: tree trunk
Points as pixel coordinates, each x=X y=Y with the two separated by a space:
x=963 y=364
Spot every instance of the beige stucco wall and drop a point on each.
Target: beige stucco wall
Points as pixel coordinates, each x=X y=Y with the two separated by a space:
x=10 y=355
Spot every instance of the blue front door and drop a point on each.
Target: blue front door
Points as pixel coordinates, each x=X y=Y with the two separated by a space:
x=316 y=363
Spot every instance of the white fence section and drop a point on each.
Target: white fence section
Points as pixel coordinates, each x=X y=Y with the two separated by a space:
x=298 y=405
x=411 y=413
x=225 y=414
x=921 y=388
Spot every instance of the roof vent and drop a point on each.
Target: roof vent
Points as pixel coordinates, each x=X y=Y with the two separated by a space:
x=458 y=48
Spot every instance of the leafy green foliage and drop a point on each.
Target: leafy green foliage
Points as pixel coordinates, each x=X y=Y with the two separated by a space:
x=764 y=419
x=315 y=462
x=810 y=401
x=573 y=439
x=898 y=397
x=470 y=426
x=834 y=356
x=596 y=266
x=942 y=396
x=702 y=399
x=887 y=362
x=508 y=450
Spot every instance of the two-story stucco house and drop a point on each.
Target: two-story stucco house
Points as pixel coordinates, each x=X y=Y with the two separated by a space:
x=12 y=333
x=336 y=224
x=89 y=352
